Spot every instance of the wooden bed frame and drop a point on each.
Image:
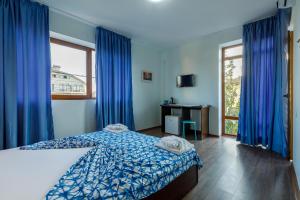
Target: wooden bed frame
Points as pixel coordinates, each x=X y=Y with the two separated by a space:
x=179 y=187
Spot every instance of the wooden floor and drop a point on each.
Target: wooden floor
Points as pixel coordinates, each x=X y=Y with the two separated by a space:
x=235 y=171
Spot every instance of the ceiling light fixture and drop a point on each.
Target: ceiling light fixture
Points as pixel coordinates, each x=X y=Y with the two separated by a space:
x=155 y=1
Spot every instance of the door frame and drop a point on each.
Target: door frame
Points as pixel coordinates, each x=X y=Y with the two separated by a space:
x=290 y=93
x=223 y=87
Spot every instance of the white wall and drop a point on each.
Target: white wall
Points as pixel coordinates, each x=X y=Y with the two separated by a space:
x=200 y=57
x=296 y=20
x=146 y=95
x=78 y=116
x=68 y=26
x=73 y=117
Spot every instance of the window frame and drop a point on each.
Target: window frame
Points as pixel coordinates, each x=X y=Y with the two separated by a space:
x=224 y=59
x=89 y=66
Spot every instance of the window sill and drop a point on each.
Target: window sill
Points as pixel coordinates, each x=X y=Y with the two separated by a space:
x=72 y=97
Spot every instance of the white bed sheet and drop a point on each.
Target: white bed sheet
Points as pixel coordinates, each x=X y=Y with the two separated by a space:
x=29 y=175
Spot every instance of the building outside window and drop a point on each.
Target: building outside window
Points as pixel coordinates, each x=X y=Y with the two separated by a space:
x=72 y=71
x=66 y=84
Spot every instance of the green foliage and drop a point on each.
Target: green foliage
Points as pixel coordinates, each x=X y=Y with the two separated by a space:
x=231 y=127
x=232 y=98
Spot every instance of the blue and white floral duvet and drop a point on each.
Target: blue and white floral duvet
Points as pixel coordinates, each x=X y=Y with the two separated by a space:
x=119 y=166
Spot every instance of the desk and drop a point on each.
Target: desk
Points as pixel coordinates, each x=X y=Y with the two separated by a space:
x=186 y=115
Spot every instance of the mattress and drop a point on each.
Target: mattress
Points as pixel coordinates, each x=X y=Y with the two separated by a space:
x=31 y=174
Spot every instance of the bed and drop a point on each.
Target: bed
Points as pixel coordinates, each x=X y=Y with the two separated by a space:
x=110 y=166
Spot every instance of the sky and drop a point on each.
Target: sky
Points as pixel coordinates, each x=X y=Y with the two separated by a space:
x=70 y=60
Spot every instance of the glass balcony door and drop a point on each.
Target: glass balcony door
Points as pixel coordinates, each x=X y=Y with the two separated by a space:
x=232 y=62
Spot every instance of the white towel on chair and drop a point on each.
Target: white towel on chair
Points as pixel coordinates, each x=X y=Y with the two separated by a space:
x=116 y=128
x=174 y=144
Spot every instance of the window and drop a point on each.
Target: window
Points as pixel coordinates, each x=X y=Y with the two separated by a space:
x=73 y=71
x=232 y=61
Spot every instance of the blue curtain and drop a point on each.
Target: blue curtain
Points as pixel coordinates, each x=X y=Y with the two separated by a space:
x=113 y=79
x=262 y=119
x=25 y=99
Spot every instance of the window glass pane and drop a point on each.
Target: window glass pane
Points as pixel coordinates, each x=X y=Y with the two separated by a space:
x=93 y=75
x=231 y=126
x=232 y=81
x=234 y=51
x=68 y=70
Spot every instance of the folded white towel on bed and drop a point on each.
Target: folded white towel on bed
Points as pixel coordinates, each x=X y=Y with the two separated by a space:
x=174 y=144
x=116 y=128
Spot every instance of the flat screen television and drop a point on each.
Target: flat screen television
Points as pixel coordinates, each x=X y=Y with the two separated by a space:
x=185 y=80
